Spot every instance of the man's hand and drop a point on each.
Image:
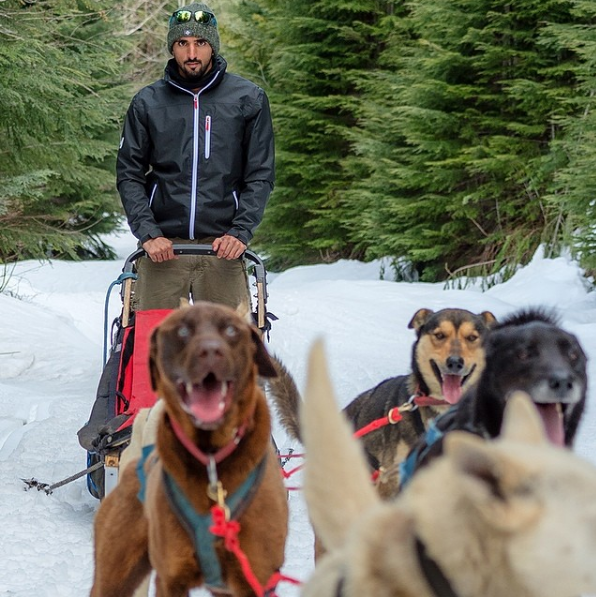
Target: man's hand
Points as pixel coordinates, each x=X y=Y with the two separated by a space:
x=159 y=249
x=228 y=247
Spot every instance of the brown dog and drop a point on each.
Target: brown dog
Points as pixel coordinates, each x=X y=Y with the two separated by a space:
x=213 y=448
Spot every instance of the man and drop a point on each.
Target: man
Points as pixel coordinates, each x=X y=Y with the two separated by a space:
x=195 y=165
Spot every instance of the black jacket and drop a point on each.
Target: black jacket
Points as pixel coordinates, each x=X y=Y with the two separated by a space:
x=196 y=165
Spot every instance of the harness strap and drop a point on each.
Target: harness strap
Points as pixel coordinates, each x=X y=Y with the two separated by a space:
x=201 y=456
x=148 y=455
x=197 y=525
x=408 y=466
x=440 y=586
x=339 y=589
x=438 y=582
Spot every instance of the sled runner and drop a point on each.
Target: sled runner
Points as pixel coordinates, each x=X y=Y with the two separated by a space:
x=124 y=386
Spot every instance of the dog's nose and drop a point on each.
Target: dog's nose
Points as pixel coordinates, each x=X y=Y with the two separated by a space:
x=561 y=383
x=455 y=365
x=210 y=350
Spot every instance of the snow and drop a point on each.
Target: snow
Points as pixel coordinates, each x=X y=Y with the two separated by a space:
x=51 y=357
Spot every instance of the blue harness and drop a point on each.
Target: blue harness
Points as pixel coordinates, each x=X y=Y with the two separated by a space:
x=197 y=525
x=408 y=466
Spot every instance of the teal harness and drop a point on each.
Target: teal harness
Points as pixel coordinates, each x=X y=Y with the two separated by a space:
x=197 y=525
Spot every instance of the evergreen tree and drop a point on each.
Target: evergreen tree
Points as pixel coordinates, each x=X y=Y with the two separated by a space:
x=307 y=54
x=61 y=99
x=575 y=180
x=459 y=144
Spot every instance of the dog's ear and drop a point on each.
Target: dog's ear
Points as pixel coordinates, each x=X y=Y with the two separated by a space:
x=494 y=484
x=337 y=486
x=420 y=318
x=265 y=366
x=243 y=311
x=488 y=318
x=153 y=358
x=521 y=421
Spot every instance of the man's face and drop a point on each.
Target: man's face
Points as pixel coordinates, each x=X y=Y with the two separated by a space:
x=193 y=56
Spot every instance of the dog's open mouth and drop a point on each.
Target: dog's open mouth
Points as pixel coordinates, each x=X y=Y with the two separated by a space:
x=205 y=402
x=552 y=417
x=451 y=385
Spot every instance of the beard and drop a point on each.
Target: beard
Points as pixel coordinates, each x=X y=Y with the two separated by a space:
x=197 y=73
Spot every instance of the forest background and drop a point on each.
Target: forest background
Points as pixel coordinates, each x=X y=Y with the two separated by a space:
x=455 y=136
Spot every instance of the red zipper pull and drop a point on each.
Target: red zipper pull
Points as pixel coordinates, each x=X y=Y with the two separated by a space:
x=196 y=102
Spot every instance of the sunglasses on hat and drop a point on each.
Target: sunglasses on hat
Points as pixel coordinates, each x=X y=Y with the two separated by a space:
x=200 y=16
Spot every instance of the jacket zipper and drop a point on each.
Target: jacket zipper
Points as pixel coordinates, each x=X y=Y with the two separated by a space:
x=207 y=137
x=152 y=196
x=195 y=168
x=195 y=157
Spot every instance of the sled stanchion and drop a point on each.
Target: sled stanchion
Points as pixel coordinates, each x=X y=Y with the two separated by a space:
x=261 y=311
x=111 y=464
x=127 y=294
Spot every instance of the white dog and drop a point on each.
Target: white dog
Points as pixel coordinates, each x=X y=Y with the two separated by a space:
x=513 y=517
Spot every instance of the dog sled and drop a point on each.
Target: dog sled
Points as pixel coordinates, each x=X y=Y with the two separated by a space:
x=125 y=387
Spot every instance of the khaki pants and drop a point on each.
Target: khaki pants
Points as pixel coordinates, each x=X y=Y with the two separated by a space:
x=191 y=277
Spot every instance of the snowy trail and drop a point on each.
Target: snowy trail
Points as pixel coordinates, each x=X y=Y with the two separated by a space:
x=51 y=341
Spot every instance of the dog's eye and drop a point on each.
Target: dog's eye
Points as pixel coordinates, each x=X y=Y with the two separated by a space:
x=440 y=336
x=523 y=354
x=472 y=338
x=231 y=331
x=183 y=331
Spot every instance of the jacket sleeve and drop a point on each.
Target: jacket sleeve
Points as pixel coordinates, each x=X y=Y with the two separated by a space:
x=259 y=171
x=132 y=166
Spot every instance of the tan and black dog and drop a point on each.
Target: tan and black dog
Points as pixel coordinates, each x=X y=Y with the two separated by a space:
x=213 y=448
x=447 y=359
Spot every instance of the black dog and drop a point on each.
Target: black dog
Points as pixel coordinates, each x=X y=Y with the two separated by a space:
x=527 y=351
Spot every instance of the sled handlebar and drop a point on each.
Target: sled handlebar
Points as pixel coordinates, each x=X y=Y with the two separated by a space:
x=259 y=271
x=260 y=274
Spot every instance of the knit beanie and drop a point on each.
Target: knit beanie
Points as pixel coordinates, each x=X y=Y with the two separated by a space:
x=193 y=28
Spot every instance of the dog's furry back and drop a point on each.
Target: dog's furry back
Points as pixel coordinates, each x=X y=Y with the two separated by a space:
x=515 y=516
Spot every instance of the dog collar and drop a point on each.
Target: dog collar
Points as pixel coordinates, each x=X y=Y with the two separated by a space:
x=423 y=400
x=439 y=585
x=434 y=575
x=204 y=457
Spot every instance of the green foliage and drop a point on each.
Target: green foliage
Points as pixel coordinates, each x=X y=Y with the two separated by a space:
x=307 y=54
x=457 y=134
x=572 y=195
x=62 y=97
x=464 y=164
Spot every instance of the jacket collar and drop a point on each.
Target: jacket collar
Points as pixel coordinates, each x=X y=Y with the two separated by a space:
x=211 y=79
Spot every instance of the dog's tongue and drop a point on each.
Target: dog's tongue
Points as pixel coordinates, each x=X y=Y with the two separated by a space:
x=451 y=388
x=553 y=423
x=207 y=405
